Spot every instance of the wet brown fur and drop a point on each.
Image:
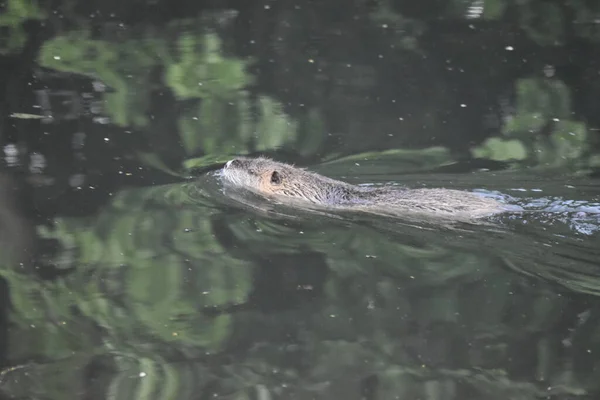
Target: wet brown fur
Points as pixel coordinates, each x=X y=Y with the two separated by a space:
x=287 y=183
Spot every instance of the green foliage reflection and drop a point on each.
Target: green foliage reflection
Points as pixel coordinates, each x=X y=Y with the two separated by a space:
x=12 y=17
x=124 y=66
x=199 y=70
x=541 y=133
x=221 y=118
x=142 y=269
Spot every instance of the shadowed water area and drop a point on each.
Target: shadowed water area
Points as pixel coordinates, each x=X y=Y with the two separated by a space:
x=129 y=270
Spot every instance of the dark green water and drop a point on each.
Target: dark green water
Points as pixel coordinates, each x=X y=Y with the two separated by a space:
x=129 y=273
x=181 y=290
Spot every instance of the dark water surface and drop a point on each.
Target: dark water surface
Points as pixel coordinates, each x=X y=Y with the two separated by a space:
x=129 y=272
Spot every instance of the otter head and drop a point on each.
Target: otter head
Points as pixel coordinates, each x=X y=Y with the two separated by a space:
x=271 y=178
x=260 y=175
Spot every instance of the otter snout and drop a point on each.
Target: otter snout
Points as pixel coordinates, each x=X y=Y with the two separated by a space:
x=233 y=163
x=238 y=172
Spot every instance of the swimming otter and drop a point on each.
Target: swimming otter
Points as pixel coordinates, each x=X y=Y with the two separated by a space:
x=289 y=184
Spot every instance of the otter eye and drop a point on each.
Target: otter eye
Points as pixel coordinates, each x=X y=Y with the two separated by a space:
x=275 y=178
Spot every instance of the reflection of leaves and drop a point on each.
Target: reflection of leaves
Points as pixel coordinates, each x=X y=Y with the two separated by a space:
x=274 y=127
x=569 y=139
x=195 y=68
x=541 y=104
x=494 y=9
x=498 y=149
x=125 y=67
x=543 y=21
x=163 y=264
x=538 y=102
x=200 y=71
x=228 y=127
x=524 y=124
x=540 y=99
x=14 y=14
x=125 y=375
x=43 y=319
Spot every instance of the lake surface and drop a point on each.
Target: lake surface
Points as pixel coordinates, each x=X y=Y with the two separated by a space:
x=128 y=272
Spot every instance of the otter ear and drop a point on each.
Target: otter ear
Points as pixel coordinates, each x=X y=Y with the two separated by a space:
x=275 y=178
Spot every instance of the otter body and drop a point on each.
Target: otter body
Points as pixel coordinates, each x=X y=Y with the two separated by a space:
x=287 y=183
